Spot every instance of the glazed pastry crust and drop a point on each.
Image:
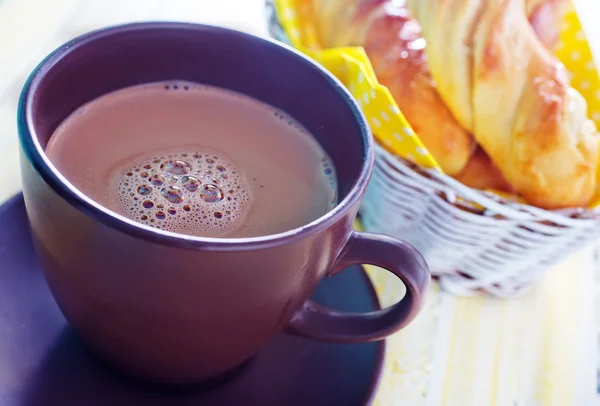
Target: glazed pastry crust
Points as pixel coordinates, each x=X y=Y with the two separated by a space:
x=528 y=119
x=392 y=40
x=487 y=75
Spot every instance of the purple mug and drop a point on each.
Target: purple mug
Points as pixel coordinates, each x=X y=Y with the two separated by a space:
x=178 y=309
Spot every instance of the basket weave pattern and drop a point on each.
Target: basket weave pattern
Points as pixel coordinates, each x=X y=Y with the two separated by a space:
x=472 y=241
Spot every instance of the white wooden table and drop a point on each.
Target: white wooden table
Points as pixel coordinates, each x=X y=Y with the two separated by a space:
x=535 y=350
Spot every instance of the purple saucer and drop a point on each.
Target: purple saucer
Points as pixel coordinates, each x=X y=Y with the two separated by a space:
x=42 y=363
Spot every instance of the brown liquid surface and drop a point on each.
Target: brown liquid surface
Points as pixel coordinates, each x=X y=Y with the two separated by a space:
x=196 y=160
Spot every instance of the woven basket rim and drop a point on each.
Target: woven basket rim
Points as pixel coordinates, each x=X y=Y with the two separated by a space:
x=487 y=200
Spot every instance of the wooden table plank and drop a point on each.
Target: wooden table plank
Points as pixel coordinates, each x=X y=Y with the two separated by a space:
x=539 y=349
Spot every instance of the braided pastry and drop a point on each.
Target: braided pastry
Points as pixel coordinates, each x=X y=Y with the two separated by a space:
x=514 y=96
x=487 y=72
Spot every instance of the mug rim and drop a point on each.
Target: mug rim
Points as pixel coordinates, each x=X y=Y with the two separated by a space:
x=35 y=154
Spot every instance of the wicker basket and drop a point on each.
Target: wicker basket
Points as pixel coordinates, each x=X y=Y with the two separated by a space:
x=475 y=242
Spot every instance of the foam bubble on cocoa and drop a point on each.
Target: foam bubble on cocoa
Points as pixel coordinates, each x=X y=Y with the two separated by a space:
x=188 y=192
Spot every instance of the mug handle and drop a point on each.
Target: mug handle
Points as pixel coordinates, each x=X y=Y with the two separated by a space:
x=398 y=257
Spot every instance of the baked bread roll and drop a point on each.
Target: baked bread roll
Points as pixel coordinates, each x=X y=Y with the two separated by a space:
x=545 y=17
x=497 y=80
x=389 y=35
x=513 y=95
x=393 y=42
